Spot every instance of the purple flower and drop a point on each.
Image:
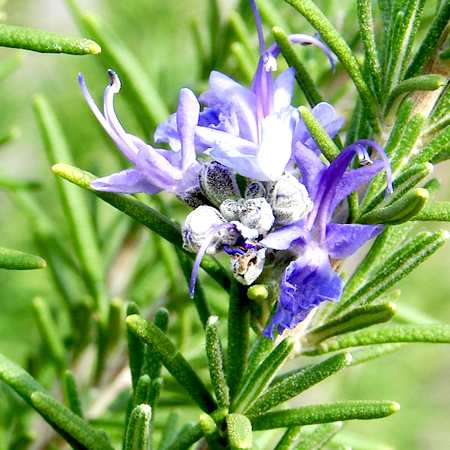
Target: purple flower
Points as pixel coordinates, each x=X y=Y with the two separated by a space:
x=253 y=130
x=310 y=279
x=156 y=169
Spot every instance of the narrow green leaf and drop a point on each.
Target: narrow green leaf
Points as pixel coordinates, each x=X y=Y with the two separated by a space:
x=263 y=375
x=322 y=138
x=418 y=83
x=152 y=364
x=325 y=413
x=201 y=302
x=438 y=211
x=355 y=319
x=238 y=336
x=244 y=61
x=138 y=430
x=49 y=332
x=385 y=245
x=435 y=334
x=319 y=437
x=18 y=379
x=304 y=79
x=400 y=211
x=373 y=352
x=289 y=439
x=16 y=260
x=45 y=41
x=194 y=433
x=144 y=93
x=61 y=418
x=115 y=322
x=292 y=385
x=239 y=430
x=261 y=350
x=333 y=39
x=403 y=32
x=210 y=431
x=173 y=360
x=215 y=362
x=366 y=28
x=440 y=142
x=244 y=38
x=141 y=391
x=72 y=395
x=402 y=185
x=430 y=42
x=75 y=207
x=398 y=267
x=13 y=184
x=144 y=215
x=271 y=14
x=136 y=349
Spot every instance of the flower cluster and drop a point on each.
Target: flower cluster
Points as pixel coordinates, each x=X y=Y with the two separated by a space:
x=291 y=194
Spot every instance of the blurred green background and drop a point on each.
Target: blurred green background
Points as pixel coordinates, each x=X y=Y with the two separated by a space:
x=160 y=36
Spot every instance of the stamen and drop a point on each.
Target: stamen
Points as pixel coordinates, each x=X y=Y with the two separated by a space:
x=270 y=63
x=363 y=156
x=114 y=80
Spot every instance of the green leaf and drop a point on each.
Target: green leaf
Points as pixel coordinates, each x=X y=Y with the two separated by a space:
x=152 y=364
x=239 y=430
x=169 y=432
x=210 y=431
x=319 y=437
x=16 y=260
x=263 y=375
x=289 y=439
x=136 y=349
x=143 y=91
x=325 y=413
x=293 y=384
x=138 y=430
x=373 y=352
x=304 y=79
x=141 y=391
x=333 y=39
x=418 y=83
x=400 y=211
x=402 y=185
x=45 y=41
x=430 y=42
x=18 y=379
x=144 y=215
x=433 y=147
x=238 y=336
x=8 y=66
x=215 y=362
x=194 y=433
x=49 y=332
x=355 y=319
x=438 y=211
x=72 y=394
x=435 y=334
x=322 y=138
x=366 y=28
x=61 y=418
x=75 y=207
x=173 y=360
x=399 y=265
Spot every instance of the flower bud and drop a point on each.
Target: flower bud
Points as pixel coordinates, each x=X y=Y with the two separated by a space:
x=256 y=213
x=198 y=226
x=218 y=183
x=255 y=190
x=289 y=200
x=230 y=209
